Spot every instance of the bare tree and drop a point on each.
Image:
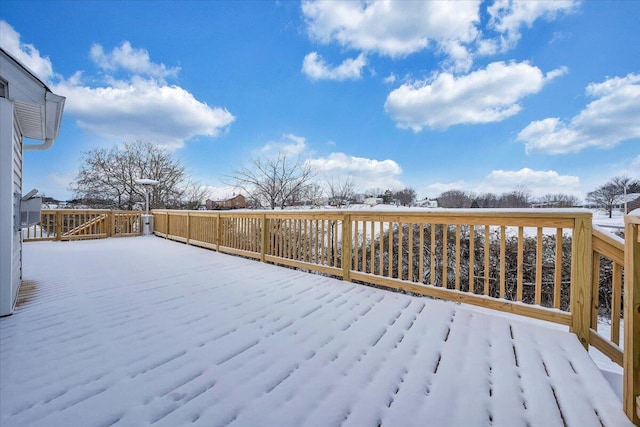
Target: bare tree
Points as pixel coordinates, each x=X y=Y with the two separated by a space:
x=107 y=178
x=274 y=181
x=518 y=198
x=558 y=201
x=455 y=199
x=625 y=185
x=405 y=197
x=314 y=194
x=341 y=191
x=605 y=196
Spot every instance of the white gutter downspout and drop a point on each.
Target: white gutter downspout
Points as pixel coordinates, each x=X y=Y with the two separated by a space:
x=48 y=142
x=54 y=104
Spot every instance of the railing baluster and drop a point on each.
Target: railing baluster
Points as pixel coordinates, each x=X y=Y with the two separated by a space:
x=503 y=256
x=557 y=282
x=472 y=256
x=616 y=302
x=381 y=251
x=390 y=251
x=410 y=243
x=457 y=272
x=400 y=251
x=520 y=263
x=373 y=248
x=432 y=271
x=538 y=289
x=487 y=249
x=445 y=255
x=355 y=244
x=421 y=254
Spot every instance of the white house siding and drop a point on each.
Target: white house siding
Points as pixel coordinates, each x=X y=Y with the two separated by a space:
x=16 y=275
x=10 y=192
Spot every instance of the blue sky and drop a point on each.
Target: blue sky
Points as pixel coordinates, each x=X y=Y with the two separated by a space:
x=481 y=96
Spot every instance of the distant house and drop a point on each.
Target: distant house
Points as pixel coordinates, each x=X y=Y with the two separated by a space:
x=236 y=202
x=632 y=199
x=373 y=201
x=427 y=203
x=28 y=109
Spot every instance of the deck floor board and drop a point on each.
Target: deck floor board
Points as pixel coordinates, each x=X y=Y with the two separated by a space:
x=146 y=332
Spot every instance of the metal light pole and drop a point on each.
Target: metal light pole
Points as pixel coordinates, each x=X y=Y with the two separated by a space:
x=146 y=218
x=147 y=184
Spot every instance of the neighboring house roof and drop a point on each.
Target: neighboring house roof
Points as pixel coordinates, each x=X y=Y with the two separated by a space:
x=630 y=197
x=37 y=109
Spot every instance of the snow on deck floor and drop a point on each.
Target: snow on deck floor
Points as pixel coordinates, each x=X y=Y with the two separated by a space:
x=147 y=332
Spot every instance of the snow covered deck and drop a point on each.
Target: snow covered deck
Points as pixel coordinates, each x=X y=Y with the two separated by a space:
x=142 y=331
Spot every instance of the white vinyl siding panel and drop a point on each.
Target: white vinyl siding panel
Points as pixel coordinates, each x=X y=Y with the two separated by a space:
x=16 y=276
x=10 y=193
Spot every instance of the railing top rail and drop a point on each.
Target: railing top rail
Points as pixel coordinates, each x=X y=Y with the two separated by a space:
x=608 y=236
x=97 y=211
x=608 y=244
x=552 y=218
x=422 y=212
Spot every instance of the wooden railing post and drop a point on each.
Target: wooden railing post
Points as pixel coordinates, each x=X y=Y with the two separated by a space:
x=631 y=356
x=346 y=248
x=166 y=234
x=581 y=258
x=188 y=227
x=264 y=237
x=58 y=224
x=218 y=232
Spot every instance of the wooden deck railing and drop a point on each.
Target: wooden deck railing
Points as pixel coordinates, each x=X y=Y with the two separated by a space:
x=608 y=258
x=78 y=224
x=543 y=264
x=631 y=365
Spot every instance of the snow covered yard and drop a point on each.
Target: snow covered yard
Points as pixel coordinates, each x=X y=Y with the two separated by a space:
x=143 y=331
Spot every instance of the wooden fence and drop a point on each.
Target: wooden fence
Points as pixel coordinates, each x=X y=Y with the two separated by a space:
x=543 y=264
x=78 y=224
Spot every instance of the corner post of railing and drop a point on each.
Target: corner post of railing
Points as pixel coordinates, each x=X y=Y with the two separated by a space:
x=218 y=232
x=188 y=227
x=631 y=355
x=111 y=223
x=346 y=247
x=581 y=270
x=58 y=225
x=264 y=237
x=166 y=234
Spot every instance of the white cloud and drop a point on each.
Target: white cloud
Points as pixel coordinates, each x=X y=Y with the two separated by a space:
x=500 y=181
x=390 y=28
x=315 y=68
x=136 y=61
x=366 y=173
x=507 y=17
x=538 y=182
x=488 y=95
x=605 y=122
x=142 y=109
x=390 y=79
x=24 y=52
x=452 y=29
x=291 y=145
x=438 y=188
x=140 y=106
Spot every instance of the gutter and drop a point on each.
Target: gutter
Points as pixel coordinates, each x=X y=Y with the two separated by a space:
x=54 y=104
x=48 y=142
